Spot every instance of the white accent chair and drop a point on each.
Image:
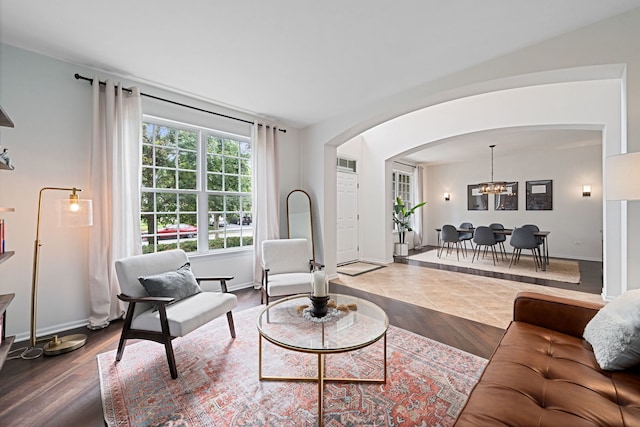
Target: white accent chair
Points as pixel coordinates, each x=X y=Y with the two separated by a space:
x=286 y=268
x=161 y=319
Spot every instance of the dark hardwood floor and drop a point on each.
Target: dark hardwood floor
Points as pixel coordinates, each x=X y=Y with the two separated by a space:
x=65 y=390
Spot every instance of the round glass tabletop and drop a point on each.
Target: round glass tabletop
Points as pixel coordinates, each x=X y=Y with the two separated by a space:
x=354 y=323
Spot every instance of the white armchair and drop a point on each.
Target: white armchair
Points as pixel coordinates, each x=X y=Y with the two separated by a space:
x=286 y=268
x=165 y=300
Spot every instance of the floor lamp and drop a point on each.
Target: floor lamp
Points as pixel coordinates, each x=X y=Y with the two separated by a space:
x=71 y=212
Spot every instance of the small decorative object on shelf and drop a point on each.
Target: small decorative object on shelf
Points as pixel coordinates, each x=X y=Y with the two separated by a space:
x=319 y=297
x=4 y=158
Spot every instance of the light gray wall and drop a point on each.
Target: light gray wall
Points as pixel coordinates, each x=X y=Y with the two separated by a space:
x=50 y=146
x=575 y=221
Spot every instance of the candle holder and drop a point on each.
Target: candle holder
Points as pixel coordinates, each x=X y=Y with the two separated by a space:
x=319 y=305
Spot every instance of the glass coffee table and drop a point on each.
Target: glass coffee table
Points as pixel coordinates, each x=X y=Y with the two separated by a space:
x=357 y=323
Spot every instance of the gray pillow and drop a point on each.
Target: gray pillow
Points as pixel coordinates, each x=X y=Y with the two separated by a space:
x=177 y=284
x=614 y=332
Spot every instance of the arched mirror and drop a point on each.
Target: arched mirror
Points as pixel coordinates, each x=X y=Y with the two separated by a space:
x=299 y=222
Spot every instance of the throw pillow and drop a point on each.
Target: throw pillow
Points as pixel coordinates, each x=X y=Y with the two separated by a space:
x=614 y=332
x=177 y=284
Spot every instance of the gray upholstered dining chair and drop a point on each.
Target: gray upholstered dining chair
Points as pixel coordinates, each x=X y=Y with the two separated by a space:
x=466 y=236
x=286 y=268
x=500 y=238
x=166 y=300
x=535 y=229
x=449 y=235
x=523 y=238
x=483 y=237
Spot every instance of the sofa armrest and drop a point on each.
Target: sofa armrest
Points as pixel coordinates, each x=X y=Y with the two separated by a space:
x=565 y=315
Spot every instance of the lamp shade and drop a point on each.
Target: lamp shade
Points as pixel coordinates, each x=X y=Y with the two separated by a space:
x=78 y=213
x=622 y=177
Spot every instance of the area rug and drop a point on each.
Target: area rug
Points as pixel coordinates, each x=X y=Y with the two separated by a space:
x=558 y=270
x=357 y=268
x=427 y=383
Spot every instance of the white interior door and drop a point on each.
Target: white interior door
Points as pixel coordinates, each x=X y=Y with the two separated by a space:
x=347 y=216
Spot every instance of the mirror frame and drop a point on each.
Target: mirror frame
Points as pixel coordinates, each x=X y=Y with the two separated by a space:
x=313 y=250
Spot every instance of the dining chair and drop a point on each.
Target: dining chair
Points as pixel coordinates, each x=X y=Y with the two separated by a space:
x=500 y=238
x=535 y=229
x=523 y=238
x=466 y=236
x=483 y=237
x=450 y=236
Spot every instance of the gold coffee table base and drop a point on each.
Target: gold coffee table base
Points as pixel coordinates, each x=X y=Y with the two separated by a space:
x=320 y=378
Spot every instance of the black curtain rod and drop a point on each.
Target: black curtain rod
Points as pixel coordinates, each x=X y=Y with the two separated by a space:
x=79 y=77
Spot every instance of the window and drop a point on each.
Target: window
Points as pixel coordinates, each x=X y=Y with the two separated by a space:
x=194 y=179
x=402 y=188
x=346 y=164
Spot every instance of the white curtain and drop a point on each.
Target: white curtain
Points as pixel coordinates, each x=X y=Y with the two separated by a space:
x=418 y=197
x=266 y=203
x=115 y=189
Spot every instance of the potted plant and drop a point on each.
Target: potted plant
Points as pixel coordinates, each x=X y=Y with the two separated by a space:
x=402 y=218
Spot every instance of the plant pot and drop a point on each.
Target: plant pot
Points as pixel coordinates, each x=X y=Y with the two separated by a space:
x=401 y=249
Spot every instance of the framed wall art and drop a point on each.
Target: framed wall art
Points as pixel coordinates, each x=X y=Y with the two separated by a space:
x=508 y=201
x=476 y=201
x=540 y=195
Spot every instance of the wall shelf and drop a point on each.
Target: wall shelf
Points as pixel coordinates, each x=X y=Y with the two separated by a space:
x=5 y=346
x=6 y=255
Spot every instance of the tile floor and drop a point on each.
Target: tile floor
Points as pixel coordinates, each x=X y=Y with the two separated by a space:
x=483 y=299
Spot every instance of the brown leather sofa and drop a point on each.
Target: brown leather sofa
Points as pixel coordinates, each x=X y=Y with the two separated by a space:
x=544 y=373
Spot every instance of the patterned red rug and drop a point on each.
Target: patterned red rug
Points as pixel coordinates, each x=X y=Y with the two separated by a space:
x=427 y=382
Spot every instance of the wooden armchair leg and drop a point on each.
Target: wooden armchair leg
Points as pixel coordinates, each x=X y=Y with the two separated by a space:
x=121 y=344
x=166 y=339
x=171 y=359
x=232 y=328
x=125 y=330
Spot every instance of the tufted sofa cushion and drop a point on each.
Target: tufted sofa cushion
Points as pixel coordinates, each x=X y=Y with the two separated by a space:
x=543 y=377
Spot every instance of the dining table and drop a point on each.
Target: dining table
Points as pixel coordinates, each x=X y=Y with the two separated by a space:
x=544 y=235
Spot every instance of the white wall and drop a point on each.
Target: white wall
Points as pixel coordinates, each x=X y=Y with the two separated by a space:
x=599 y=49
x=50 y=146
x=589 y=104
x=573 y=219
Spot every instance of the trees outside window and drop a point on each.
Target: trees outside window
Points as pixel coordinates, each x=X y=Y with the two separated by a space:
x=196 y=189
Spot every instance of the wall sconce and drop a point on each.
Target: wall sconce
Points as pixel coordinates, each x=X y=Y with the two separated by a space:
x=447 y=197
x=586 y=190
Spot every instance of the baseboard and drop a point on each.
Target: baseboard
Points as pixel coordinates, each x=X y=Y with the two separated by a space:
x=52 y=330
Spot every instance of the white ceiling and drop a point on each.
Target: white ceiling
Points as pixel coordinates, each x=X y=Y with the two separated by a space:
x=508 y=142
x=296 y=61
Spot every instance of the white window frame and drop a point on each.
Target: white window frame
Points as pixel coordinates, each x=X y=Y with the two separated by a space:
x=243 y=231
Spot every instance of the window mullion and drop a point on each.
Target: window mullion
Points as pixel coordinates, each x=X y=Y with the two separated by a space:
x=201 y=187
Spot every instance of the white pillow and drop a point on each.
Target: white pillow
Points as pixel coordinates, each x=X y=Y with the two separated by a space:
x=614 y=332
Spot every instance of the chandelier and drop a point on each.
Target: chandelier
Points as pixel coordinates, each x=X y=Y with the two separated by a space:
x=493 y=187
